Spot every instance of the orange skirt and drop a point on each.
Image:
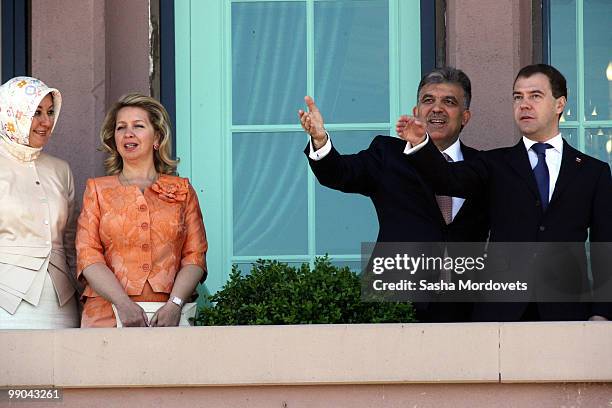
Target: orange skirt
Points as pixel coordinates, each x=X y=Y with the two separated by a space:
x=98 y=312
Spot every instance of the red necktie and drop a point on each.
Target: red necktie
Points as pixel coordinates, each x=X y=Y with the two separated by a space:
x=445 y=202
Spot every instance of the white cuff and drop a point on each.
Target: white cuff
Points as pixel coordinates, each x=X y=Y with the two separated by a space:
x=409 y=149
x=322 y=152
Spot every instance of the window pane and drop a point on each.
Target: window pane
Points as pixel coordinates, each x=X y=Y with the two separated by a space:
x=344 y=220
x=352 y=60
x=270 y=195
x=597 y=56
x=268 y=62
x=599 y=143
x=571 y=135
x=563 y=49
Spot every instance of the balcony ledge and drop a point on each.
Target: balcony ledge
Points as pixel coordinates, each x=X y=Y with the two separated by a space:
x=308 y=355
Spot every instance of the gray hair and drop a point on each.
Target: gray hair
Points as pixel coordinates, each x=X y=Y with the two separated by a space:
x=449 y=75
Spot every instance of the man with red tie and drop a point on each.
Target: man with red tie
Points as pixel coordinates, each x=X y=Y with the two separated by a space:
x=406 y=206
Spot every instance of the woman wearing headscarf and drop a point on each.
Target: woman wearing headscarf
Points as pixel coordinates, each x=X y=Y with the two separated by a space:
x=140 y=235
x=37 y=213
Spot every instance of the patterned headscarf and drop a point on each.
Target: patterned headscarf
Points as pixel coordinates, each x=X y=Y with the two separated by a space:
x=19 y=99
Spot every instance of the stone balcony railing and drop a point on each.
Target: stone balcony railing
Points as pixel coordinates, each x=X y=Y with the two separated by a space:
x=370 y=365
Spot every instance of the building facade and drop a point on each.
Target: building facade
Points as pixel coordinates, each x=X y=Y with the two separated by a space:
x=233 y=75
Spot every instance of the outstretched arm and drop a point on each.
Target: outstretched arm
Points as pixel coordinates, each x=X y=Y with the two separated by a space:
x=461 y=179
x=353 y=173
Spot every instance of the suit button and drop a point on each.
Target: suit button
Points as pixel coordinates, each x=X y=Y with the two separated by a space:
x=144 y=226
x=145 y=267
x=142 y=207
x=538 y=203
x=542 y=228
x=145 y=247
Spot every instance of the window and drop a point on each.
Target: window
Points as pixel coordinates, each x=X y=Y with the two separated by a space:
x=163 y=13
x=242 y=70
x=580 y=46
x=13 y=29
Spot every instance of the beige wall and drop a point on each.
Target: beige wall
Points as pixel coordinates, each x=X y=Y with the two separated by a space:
x=93 y=51
x=490 y=41
x=361 y=365
x=68 y=54
x=127 y=47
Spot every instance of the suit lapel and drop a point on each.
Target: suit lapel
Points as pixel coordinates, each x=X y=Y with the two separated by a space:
x=433 y=204
x=519 y=161
x=571 y=161
x=428 y=192
x=432 y=199
x=468 y=154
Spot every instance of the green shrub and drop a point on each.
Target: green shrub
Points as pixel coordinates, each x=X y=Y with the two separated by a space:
x=275 y=293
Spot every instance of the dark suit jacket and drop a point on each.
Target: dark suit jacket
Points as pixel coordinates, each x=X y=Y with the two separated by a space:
x=580 y=208
x=405 y=205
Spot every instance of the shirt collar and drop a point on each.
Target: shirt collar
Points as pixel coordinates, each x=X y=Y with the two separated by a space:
x=454 y=151
x=556 y=142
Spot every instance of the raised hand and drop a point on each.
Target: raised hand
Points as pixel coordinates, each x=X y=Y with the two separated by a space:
x=312 y=123
x=411 y=129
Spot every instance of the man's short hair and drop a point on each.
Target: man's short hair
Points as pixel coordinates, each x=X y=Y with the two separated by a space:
x=448 y=75
x=558 y=84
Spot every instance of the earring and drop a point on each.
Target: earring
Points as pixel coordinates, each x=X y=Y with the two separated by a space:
x=156 y=146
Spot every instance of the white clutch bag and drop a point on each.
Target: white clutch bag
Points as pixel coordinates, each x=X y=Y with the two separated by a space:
x=188 y=311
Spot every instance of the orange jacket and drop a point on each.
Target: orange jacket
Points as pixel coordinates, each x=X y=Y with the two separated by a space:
x=140 y=236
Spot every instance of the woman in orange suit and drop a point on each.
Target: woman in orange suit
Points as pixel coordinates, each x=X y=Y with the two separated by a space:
x=140 y=235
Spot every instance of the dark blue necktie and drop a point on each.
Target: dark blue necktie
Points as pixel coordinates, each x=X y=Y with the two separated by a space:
x=540 y=171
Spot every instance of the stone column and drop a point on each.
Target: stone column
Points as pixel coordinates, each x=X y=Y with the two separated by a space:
x=93 y=51
x=490 y=41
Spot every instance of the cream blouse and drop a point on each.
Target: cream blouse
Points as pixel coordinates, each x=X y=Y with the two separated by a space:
x=37 y=228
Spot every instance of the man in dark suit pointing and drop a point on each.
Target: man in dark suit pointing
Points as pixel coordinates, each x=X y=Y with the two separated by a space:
x=541 y=190
x=407 y=208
